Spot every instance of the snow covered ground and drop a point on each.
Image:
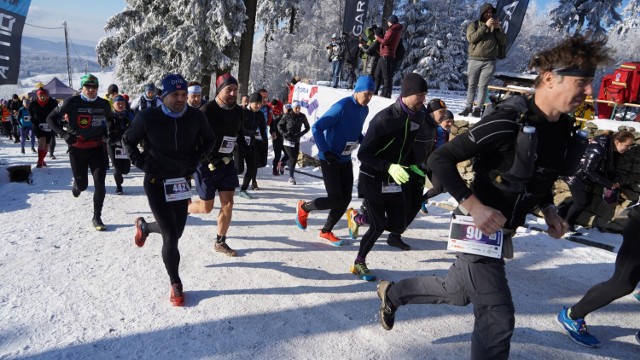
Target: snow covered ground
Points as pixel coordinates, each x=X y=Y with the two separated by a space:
x=70 y=292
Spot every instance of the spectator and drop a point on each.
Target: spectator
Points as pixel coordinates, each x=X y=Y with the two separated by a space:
x=388 y=46
x=335 y=50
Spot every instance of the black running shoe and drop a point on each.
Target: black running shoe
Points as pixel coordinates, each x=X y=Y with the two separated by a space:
x=74 y=190
x=98 y=224
x=387 y=313
x=396 y=241
x=119 y=190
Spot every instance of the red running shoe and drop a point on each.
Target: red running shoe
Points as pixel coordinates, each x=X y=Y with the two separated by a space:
x=333 y=240
x=141 y=236
x=301 y=216
x=177 y=296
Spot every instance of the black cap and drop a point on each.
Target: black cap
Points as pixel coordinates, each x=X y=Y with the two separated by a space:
x=412 y=84
x=113 y=88
x=255 y=97
x=392 y=19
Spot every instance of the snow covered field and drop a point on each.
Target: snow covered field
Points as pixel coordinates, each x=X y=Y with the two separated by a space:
x=70 y=292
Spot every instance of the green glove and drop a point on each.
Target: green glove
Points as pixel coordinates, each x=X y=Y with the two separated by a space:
x=417 y=170
x=398 y=173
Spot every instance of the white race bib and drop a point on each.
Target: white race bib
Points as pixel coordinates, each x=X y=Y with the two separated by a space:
x=247 y=139
x=465 y=237
x=391 y=188
x=257 y=136
x=349 y=147
x=44 y=127
x=228 y=143
x=177 y=189
x=288 y=143
x=120 y=153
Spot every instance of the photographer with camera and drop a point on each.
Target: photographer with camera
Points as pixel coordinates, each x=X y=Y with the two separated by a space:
x=335 y=51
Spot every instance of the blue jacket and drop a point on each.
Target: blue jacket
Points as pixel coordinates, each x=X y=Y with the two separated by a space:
x=342 y=123
x=24 y=118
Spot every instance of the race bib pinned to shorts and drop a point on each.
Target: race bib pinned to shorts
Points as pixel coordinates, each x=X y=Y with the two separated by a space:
x=120 y=153
x=465 y=237
x=288 y=143
x=391 y=188
x=228 y=143
x=177 y=189
x=44 y=127
x=349 y=147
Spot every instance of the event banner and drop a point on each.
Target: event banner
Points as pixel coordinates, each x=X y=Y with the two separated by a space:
x=355 y=13
x=511 y=14
x=12 y=17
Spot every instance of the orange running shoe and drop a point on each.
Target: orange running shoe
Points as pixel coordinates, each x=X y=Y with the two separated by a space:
x=301 y=216
x=141 y=236
x=333 y=240
x=177 y=296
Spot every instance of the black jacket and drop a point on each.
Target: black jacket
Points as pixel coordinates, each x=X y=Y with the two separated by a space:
x=172 y=147
x=39 y=115
x=251 y=123
x=492 y=142
x=87 y=120
x=291 y=126
x=119 y=124
x=390 y=140
x=598 y=164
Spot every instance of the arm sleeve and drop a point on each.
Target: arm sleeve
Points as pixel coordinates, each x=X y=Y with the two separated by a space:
x=371 y=144
x=54 y=118
x=591 y=161
x=305 y=123
x=281 y=127
x=327 y=121
x=132 y=137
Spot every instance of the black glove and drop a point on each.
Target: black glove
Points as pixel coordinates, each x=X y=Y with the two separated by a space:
x=331 y=158
x=70 y=139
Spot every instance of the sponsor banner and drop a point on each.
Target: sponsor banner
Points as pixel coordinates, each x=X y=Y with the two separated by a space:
x=511 y=14
x=355 y=13
x=12 y=18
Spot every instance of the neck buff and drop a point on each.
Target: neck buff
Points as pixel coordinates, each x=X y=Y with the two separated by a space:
x=172 y=114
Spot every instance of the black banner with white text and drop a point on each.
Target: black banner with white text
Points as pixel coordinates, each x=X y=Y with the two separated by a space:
x=355 y=13
x=13 y=14
x=511 y=14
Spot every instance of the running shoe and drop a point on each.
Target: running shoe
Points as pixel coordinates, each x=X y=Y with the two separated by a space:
x=333 y=240
x=396 y=241
x=245 y=194
x=254 y=185
x=292 y=181
x=177 y=295
x=577 y=329
x=423 y=208
x=98 y=224
x=53 y=157
x=223 y=248
x=301 y=216
x=352 y=224
x=141 y=234
x=74 y=190
x=387 y=313
x=361 y=271
x=637 y=295
x=119 y=190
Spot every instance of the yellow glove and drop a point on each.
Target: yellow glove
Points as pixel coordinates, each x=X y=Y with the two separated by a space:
x=398 y=173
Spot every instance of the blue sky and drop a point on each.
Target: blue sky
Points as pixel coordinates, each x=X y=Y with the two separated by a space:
x=85 y=18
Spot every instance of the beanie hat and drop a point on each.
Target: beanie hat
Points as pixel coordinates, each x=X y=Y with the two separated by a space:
x=392 y=19
x=225 y=80
x=89 y=79
x=485 y=7
x=173 y=82
x=15 y=96
x=435 y=104
x=255 y=98
x=149 y=87
x=295 y=104
x=413 y=84
x=119 y=98
x=41 y=91
x=113 y=88
x=448 y=115
x=365 y=83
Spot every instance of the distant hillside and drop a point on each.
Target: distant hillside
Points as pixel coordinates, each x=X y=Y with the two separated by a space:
x=41 y=56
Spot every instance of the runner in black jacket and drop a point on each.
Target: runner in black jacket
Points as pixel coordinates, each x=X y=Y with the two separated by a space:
x=39 y=110
x=500 y=196
x=290 y=127
x=122 y=118
x=252 y=122
x=88 y=115
x=175 y=137
x=387 y=154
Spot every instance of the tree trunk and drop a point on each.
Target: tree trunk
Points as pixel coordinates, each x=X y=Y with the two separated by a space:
x=387 y=10
x=292 y=20
x=246 y=48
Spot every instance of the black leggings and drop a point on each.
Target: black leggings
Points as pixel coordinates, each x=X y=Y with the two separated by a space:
x=278 y=152
x=120 y=166
x=626 y=275
x=436 y=188
x=581 y=198
x=292 y=154
x=338 y=181
x=386 y=211
x=95 y=159
x=171 y=218
x=249 y=156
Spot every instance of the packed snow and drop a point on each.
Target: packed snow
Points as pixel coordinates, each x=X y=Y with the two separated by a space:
x=70 y=292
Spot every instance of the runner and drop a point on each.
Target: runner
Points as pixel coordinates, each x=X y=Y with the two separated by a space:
x=252 y=123
x=39 y=110
x=122 y=119
x=24 y=121
x=175 y=136
x=290 y=127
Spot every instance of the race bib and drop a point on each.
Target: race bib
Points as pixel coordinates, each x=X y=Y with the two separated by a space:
x=121 y=153
x=349 y=147
x=44 y=127
x=176 y=189
x=288 y=143
x=247 y=139
x=465 y=237
x=228 y=143
x=391 y=188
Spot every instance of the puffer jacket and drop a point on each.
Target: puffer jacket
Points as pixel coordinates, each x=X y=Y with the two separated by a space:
x=597 y=166
x=483 y=42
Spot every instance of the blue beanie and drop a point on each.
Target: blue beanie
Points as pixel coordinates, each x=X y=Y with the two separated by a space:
x=173 y=82
x=365 y=83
